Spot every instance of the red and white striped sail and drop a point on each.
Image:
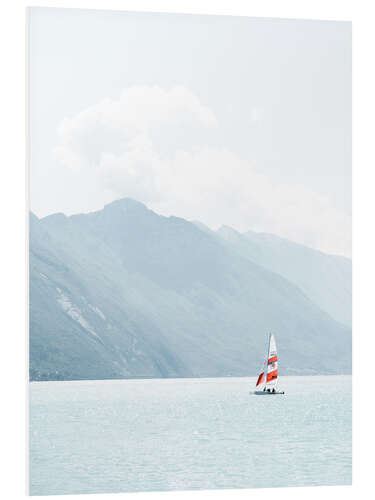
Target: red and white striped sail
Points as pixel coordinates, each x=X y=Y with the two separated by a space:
x=271 y=379
x=269 y=373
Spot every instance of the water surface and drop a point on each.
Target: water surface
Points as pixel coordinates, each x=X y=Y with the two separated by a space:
x=142 y=435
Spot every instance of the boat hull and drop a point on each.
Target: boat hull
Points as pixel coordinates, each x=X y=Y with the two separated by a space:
x=265 y=393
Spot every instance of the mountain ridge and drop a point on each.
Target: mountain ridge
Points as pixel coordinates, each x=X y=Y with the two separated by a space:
x=124 y=292
x=325 y=278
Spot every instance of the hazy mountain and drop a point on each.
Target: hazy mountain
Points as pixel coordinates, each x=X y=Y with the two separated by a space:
x=326 y=279
x=124 y=292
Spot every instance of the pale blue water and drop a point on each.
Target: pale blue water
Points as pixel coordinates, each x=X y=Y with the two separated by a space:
x=141 y=435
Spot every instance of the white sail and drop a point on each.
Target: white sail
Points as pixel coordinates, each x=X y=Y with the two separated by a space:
x=268 y=378
x=271 y=375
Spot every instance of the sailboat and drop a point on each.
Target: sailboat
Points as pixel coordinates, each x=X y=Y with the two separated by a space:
x=268 y=378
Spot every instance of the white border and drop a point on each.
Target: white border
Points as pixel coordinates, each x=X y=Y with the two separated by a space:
x=12 y=210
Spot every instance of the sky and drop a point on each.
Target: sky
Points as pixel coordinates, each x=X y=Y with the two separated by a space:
x=236 y=121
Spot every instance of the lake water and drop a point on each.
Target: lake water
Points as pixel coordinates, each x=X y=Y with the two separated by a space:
x=142 y=435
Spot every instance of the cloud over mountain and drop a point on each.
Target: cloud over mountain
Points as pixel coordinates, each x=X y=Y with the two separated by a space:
x=156 y=145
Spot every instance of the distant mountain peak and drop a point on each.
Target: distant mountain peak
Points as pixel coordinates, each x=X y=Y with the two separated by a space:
x=228 y=232
x=126 y=204
x=224 y=227
x=57 y=217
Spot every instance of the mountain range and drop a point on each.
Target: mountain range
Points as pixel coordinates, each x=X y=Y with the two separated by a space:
x=124 y=292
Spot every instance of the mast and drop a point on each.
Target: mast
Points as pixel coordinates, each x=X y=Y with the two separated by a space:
x=267 y=356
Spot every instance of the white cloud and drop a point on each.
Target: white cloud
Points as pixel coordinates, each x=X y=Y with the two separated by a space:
x=133 y=173
x=117 y=141
x=218 y=187
x=112 y=126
